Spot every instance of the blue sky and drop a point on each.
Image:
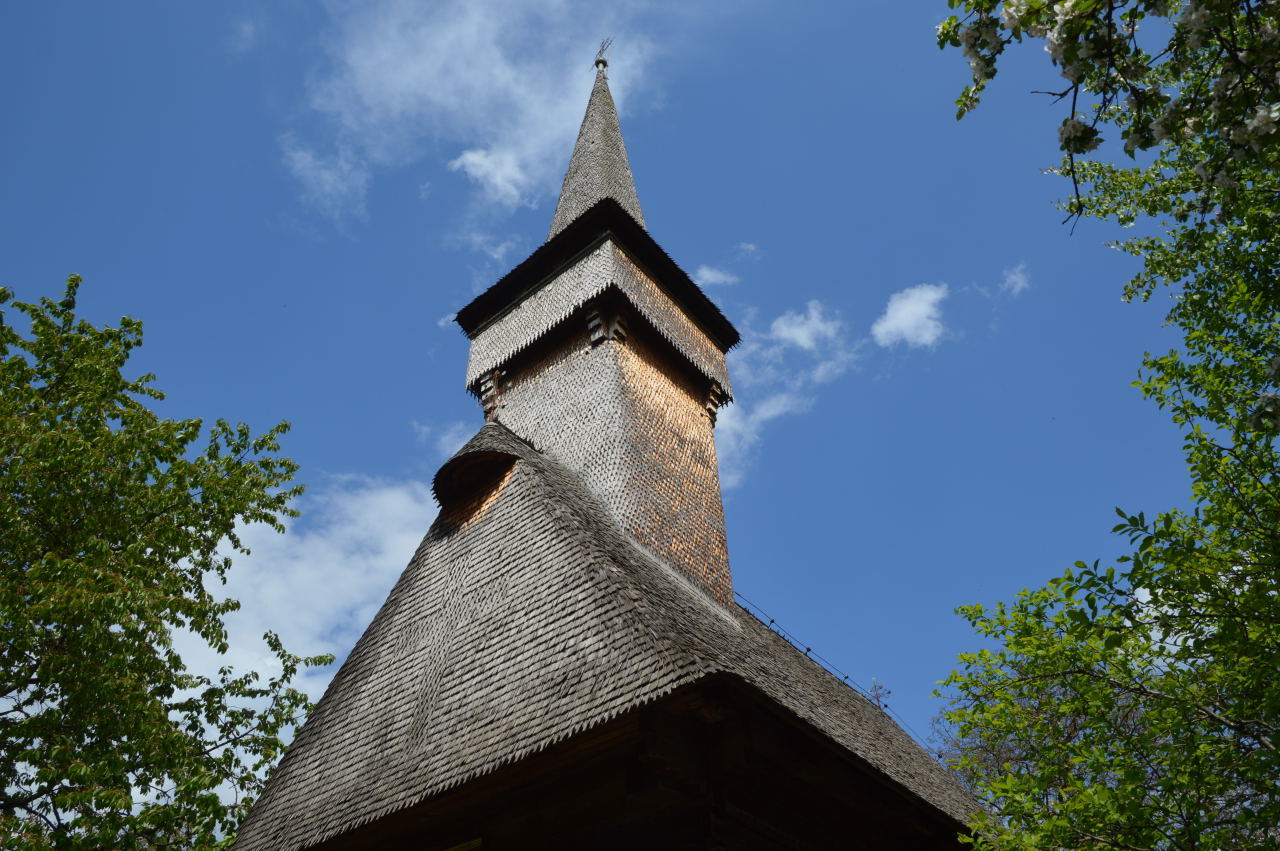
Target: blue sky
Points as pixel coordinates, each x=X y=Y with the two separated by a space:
x=933 y=393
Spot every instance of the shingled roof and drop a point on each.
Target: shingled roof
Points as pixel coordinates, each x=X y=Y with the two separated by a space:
x=599 y=167
x=526 y=616
x=605 y=219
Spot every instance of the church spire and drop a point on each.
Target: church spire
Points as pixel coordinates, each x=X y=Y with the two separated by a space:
x=599 y=167
x=562 y=664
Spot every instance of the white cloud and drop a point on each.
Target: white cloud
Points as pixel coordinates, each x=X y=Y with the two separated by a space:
x=498 y=87
x=491 y=246
x=738 y=432
x=1016 y=280
x=799 y=348
x=335 y=185
x=774 y=373
x=748 y=250
x=499 y=173
x=710 y=276
x=452 y=438
x=424 y=190
x=913 y=316
x=446 y=320
x=319 y=584
x=808 y=331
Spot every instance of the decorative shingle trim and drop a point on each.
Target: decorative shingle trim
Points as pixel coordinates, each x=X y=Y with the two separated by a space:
x=605 y=268
x=606 y=219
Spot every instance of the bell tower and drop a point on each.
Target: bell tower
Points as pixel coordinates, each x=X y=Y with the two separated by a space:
x=600 y=352
x=561 y=664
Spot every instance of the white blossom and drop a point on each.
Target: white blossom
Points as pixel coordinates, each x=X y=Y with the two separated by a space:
x=1053 y=45
x=1264 y=119
x=969 y=37
x=1194 y=18
x=979 y=42
x=1073 y=130
x=1012 y=11
x=1066 y=9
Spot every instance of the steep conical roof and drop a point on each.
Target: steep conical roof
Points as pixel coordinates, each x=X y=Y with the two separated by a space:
x=526 y=617
x=599 y=167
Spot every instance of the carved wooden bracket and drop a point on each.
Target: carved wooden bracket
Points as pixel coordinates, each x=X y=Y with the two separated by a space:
x=605 y=324
x=716 y=398
x=491 y=393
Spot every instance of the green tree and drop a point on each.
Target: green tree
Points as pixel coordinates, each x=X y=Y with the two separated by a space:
x=110 y=529
x=1142 y=704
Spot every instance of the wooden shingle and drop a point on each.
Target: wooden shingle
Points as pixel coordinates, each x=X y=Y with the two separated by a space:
x=526 y=617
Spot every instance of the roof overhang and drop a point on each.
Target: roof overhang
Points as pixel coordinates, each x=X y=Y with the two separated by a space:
x=604 y=219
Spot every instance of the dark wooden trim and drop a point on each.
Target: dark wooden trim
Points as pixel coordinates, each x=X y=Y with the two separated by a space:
x=606 y=219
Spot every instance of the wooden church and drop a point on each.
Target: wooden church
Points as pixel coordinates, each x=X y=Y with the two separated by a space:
x=562 y=664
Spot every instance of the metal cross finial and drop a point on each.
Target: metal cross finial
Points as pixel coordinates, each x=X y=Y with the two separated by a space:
x=605 y=44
